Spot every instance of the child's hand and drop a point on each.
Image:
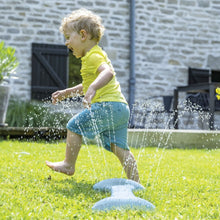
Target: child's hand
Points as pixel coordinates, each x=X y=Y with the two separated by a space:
x=88 y=97
x=58 y=96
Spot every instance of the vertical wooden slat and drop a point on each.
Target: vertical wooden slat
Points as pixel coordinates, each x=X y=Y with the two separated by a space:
x=47 y=62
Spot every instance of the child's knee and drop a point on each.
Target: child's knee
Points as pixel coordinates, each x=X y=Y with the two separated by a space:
x=119 y=152
x=115 y=149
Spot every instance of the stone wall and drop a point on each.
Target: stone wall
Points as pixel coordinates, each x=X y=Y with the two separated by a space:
x=26 y=21
x=171 y=35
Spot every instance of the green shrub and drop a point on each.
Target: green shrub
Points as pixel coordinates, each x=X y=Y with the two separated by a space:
x=74 y=70
x=33 y=114
x=8 y=61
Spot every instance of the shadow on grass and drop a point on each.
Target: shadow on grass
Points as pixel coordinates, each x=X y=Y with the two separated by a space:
x=70 y=189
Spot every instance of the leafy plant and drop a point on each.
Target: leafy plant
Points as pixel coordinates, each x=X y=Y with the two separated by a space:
x=33 y=114
x=8 y=61
x=218 y=93
x=74 y=70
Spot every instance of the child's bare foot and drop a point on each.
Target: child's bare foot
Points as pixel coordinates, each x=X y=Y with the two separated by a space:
x=61 y=167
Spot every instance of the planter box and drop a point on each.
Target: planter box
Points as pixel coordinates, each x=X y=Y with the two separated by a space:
x=4 y=99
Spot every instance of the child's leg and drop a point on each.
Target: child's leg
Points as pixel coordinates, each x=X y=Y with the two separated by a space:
x=73 y=145
x=127 y=161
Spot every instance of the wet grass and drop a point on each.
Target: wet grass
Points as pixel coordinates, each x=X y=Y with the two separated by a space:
x=182 y=184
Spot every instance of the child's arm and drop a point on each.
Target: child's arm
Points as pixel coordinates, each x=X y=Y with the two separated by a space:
x=104 y=77
x=66 y=93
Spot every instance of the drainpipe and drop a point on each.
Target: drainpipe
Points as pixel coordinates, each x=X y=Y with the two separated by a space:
x=132 y=60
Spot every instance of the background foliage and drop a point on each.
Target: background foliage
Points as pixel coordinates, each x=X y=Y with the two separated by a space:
x=8 y=61
x=34 y=114
x=74 y=70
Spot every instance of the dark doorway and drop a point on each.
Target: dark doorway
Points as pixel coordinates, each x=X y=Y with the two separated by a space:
x=49 y=69
x=53 y=68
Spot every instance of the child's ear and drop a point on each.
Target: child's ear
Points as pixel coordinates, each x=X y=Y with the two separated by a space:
x=83 y=34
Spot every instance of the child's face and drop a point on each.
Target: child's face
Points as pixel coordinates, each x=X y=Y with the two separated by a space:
x=74 y=43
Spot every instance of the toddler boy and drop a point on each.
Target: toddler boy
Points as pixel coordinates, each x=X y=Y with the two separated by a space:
x=106 y=111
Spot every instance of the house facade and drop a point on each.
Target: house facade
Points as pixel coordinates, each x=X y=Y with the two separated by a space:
x=170 y=36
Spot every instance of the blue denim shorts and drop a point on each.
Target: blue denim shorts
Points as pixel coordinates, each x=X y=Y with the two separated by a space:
x=108 y=120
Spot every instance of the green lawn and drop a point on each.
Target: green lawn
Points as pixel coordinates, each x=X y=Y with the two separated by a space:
x=182 y=184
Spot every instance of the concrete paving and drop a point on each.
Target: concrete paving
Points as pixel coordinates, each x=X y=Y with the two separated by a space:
x=137 y=138
x=174 y=138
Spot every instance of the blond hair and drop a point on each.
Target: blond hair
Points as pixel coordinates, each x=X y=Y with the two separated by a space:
x=83 y=19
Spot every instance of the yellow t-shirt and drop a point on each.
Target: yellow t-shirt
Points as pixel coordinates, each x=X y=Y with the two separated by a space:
x=90 y=64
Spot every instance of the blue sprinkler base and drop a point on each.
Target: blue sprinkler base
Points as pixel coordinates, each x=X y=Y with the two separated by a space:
x=122 y=196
